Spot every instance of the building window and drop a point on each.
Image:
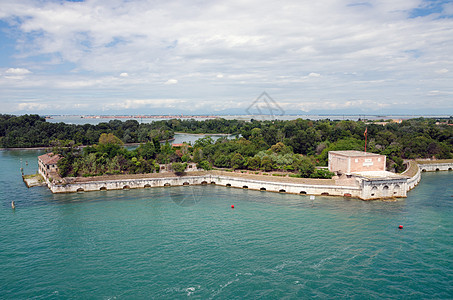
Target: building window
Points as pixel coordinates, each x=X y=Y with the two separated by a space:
x=356 y=160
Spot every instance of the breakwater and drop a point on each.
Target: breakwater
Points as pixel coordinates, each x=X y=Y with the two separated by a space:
x=208 y=178
x=433 y=167
x=362 y=188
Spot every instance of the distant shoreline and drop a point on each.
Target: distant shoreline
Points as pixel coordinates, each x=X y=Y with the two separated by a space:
x=82 y=146
x=222 y=134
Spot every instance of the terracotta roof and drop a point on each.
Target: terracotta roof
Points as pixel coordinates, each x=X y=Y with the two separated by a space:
x=49 y=158
x=180 y=145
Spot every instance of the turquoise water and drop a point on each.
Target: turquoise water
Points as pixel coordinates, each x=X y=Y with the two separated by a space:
x=187 y=242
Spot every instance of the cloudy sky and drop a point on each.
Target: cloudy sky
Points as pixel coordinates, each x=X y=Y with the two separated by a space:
x=197 y=56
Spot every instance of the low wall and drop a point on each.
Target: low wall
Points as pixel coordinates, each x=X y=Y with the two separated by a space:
x=243 y=183
x=415 y=179
x=432 y=167
x=285 y=187
x=128 y=184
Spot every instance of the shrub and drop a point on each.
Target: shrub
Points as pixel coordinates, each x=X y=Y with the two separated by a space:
x=178 y=167
x=322 y=173
x=205 y=165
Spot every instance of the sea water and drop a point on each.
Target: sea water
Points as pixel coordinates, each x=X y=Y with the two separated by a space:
x=187 y=242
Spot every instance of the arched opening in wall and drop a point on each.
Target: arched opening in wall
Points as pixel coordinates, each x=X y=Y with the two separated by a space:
x=262 y=189
x=396 y=189
x=204 y=183
x=373 y=190
x=325 y=194
x=126 y=187
x=79 y=190
x=423 y=170
x=245 y=187
x=212 y=182
x=147 y=185
x=385 y=191
x=303 y=192
x=103 y=188
x=282 y=191
x=162 y=167
x=449 y=169
x=185 y=183
x=190 y=166
x=228 y=184
x=167 y=184
x=437 y=169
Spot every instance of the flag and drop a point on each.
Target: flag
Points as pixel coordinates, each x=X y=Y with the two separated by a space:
x=365 y=134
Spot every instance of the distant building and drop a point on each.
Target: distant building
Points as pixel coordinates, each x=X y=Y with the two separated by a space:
x=47 y=164
x=368 y=170
x=347 y=162
x=180 y=145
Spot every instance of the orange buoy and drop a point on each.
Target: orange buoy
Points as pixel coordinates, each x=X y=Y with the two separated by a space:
x=232 y=206
x=400 y=227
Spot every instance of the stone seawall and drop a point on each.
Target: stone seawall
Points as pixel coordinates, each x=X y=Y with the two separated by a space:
x=367 y=190
x=227 y=181
x=416 y=168
x=433 y=167
x=415 y=178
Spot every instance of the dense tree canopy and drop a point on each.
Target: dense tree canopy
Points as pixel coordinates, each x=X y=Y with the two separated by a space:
x=34 y=131
x=295 y=145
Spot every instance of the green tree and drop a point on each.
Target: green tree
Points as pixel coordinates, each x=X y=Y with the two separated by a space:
x=147 y=150
x=237 y=161
x=109 y=138
x=305 y=166
x=266 y=163
x=222 y=161
x=205 y=165
x=178 y=167
x=254 y=162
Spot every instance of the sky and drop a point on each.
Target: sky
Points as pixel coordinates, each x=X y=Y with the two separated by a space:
x=213 y=57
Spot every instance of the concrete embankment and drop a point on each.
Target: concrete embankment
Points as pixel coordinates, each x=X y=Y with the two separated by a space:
x=413 y=171
x=362 y=189
x=435 y=165
x=33 y=180
x=416 y=167
x=243 y=181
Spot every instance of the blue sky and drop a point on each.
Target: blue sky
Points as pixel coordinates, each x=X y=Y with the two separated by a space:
x=151 y=57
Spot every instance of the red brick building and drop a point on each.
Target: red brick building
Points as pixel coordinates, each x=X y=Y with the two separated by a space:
x=346 y=162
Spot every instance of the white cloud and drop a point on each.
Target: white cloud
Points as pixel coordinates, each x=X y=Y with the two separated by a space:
x=30 y=106
x=171 y=81
x=367 y=50
x=448 y=8
x=145 y=103
x=442 y=71
x=17 y=71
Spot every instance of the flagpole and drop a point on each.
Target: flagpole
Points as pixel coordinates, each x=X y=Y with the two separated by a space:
x=366 y=136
